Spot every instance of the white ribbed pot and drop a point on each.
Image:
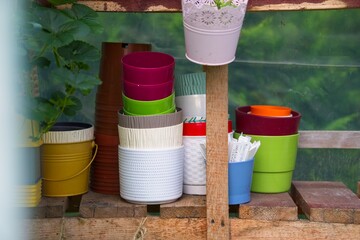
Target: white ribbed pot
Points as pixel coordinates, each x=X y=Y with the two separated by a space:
x=194 y=166
x=194 y=136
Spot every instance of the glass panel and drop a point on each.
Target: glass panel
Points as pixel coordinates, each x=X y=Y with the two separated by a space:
x=329 y=165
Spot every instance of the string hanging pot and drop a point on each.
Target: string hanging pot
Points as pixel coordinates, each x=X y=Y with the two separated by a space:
x=212 y=30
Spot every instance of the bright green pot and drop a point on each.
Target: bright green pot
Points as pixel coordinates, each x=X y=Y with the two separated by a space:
x=161 y=106
x=274 y=163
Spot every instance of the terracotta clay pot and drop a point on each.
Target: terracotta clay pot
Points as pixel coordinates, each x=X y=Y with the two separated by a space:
x=105 y=171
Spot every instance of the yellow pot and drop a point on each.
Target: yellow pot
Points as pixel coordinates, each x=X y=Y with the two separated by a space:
x=66 y=168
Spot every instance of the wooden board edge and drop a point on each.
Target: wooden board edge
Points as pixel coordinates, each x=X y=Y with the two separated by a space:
x=191 y=228
x=329 y=139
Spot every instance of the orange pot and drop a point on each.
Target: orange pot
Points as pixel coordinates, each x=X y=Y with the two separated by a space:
x=270 y=111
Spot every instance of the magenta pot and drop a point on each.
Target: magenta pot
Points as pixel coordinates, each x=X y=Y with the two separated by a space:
x=110 y=71
x=267 y=126
x=148 y=92
x=148 y=67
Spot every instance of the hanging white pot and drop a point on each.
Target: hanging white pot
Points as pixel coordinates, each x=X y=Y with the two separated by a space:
x=212 y=29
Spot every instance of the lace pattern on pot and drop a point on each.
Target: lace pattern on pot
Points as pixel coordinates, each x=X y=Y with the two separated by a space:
x=214 y=14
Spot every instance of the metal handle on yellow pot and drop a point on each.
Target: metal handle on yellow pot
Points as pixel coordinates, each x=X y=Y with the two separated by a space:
x=77 y=174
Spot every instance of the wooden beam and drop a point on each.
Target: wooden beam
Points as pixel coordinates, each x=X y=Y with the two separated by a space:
x=253 y=5
x=290 y=5
x=182 y=228
x=330 y=139
x=217 y=208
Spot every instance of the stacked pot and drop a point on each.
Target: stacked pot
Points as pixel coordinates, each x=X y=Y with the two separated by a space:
x=276 y=127
x=29 y=181
x=190 y=91
x=194 y=139
x=151 y=152
x=190 y=95
x=105 y=174
x=148 y=81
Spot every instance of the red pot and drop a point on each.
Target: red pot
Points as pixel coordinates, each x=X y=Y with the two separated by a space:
x=248 y=123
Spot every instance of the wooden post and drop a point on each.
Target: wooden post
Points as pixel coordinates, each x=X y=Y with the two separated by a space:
x=217 y=208
x=358 y=189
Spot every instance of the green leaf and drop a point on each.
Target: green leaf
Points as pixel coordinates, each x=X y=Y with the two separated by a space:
x=86 y=82
x=54 y=24
x=79 y=51
x=61 y=76
x=73 y=106
x=58 y=99
x=44 y=111
x=84 y=19
x=79 y=81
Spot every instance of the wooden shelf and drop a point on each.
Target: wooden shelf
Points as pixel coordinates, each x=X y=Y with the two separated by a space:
x=265 y=217
x=270 y=216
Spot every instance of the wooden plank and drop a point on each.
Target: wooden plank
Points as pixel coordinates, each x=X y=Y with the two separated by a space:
x=96 y=205
x=253 y=5
x=217 y=208
x=294 y=230
x=188 y=206
x=273 y=207
x=287 y=5
x=326 y=201
x=183 y=228
x=330 y=139
x=48 y=208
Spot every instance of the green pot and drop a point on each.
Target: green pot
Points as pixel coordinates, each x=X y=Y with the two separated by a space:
x=161 y=106
x=274 y=163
